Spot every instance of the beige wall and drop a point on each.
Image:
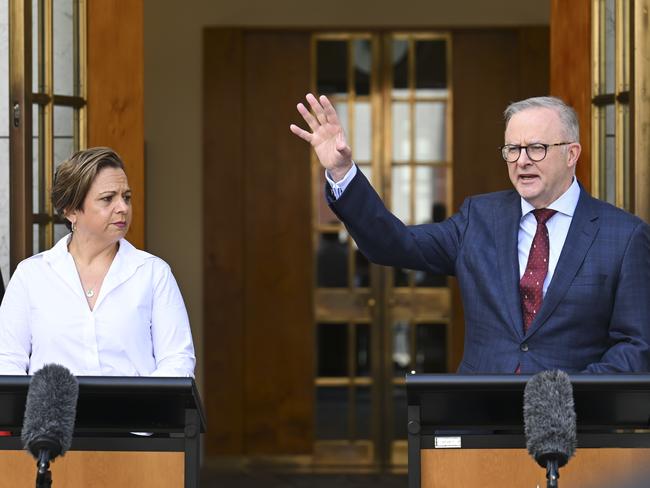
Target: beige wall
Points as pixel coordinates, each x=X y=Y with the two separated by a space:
x=172 y=50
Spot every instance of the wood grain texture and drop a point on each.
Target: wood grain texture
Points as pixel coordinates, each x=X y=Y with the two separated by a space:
x=496 y=468
x=571 y=69
x=279 y=340
x=116 y=93
x=257 y=245
x=223 y=240
x=97 y=469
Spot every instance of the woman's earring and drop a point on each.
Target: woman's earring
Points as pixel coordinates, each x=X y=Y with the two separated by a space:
x=74 y=226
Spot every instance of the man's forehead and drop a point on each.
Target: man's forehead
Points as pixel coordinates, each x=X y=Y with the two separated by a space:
x=534 y=124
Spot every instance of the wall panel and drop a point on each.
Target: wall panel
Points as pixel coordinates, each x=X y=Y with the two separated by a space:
x=257 y=245
x=571 y=69
x=223 y=240
x=116 y=92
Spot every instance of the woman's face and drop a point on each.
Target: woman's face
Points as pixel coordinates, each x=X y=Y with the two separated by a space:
x=106 y=214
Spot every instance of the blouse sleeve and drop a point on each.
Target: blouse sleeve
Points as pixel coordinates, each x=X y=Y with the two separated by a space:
x=15 y=332
x=170 y=327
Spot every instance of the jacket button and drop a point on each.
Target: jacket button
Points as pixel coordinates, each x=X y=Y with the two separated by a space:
x=524 y=347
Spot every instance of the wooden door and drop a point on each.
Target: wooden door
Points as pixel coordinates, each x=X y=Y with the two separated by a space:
x=257 y=245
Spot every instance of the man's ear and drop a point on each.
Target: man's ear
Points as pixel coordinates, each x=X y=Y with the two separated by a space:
x=574 y=153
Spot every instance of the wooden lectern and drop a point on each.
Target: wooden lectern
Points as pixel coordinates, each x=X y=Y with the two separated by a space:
x=106 y=451
x=467 y=431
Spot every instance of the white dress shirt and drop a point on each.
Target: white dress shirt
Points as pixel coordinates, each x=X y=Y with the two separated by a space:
x=558 y=228
x=338 y=187
x=138 y=327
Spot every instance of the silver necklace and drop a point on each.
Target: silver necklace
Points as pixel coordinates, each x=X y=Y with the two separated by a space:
x=90 y=293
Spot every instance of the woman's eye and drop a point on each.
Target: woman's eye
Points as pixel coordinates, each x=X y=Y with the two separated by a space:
x=107 y=199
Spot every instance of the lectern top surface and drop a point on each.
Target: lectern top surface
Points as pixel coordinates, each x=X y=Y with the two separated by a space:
x=114 y=403
x=496 y=401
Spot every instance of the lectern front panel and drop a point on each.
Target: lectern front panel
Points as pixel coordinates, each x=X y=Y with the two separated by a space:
x=97 y=469
x=496 y=468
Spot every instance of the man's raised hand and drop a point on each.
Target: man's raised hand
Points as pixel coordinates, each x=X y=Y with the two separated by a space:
x=326 y=136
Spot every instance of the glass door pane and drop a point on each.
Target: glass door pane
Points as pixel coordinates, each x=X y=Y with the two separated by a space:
x=343 y=290
x=374 y=324
x=417 y=303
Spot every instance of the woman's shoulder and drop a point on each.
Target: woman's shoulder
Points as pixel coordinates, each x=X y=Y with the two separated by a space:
x=138 y=256
x=32 y=263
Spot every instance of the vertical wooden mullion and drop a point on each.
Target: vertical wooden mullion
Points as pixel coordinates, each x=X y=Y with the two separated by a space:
x=350 y=100
x=619 y=141
x=40 y=168
x=81 y=131
x=449 y=173
x=640 y=128
x=596 y=125
x=48 y=133
x=411 y=160
x=351 y=326
x=42 y=140
x=76 y=67
x=20 y=131
x=383 y=374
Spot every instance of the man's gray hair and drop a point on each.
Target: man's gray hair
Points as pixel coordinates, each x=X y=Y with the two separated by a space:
x=567 y=114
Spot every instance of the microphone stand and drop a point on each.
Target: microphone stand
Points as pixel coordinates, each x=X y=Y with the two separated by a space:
x=552 y=473
x=43 y=475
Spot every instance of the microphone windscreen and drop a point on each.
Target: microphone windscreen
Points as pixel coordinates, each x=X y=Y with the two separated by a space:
x=550 y=417
x=50 y=410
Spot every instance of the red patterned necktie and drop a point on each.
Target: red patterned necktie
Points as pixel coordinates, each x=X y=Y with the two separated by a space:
x=531 y=284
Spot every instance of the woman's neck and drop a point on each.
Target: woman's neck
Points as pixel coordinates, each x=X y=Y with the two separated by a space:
x=87 y=253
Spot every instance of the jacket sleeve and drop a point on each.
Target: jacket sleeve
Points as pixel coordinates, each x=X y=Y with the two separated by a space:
x=630 y=322
x=385 y=240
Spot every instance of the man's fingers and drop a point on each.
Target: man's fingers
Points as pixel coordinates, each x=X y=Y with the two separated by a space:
x=303 y=134
x=309 y=118
x=317 y=108
x=329 y=110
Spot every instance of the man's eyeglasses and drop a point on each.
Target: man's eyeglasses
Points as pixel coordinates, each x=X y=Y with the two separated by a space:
x=536 y=152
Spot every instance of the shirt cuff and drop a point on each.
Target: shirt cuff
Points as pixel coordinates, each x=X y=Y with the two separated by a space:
x=339 y=187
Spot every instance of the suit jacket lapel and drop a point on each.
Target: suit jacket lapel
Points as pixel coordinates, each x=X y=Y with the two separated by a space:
x=506 y=228
x=582 y=232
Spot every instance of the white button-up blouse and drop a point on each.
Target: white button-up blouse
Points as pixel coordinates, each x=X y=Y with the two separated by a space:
x=138 y=327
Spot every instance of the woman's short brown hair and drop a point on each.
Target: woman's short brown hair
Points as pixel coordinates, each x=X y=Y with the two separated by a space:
x=75 y=176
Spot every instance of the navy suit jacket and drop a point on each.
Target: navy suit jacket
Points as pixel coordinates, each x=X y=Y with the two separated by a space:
x=595 y=316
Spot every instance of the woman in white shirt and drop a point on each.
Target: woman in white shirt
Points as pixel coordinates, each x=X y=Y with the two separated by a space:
x=94 y=303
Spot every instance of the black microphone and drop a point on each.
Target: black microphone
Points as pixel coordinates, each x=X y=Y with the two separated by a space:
x=49 y=417
x=550 y=421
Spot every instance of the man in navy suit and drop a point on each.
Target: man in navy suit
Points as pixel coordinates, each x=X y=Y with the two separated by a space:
x=550 y=277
